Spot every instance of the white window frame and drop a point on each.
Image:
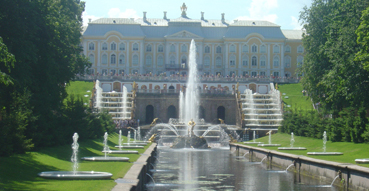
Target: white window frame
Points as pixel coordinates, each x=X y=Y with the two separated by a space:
x=207 y=49
x=113 y=46
x=91 y=46
x=104 y=46
x=135 y=47
x=122 y=46
x=113 y=59
x=135 y=60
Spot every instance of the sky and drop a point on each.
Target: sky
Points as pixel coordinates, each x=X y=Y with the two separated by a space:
x=284 y=13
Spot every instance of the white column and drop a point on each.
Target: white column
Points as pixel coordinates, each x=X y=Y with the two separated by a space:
x=98 y=46
x=154 y=67
x=142 y=50
x=226 y=58
x=268 y=61
x=239 y=58
x=212 y=59
x=177 y=52
x=127 y=67
x=282 y=61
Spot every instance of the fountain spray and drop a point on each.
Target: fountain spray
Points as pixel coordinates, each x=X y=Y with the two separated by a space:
x=74 y=157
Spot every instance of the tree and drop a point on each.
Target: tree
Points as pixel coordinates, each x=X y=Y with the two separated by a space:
x=362 y=33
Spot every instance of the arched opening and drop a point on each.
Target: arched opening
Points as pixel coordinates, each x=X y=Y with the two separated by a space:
x=149 y=114
x=171 y=112
x=220 y=113
x=171 y=89
x=201 y=112
x=116 y=87
x=253 y=87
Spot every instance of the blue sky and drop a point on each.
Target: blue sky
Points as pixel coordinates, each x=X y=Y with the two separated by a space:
x=282 y=12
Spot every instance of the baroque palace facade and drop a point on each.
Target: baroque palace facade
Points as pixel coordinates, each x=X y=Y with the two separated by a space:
x=161 y=46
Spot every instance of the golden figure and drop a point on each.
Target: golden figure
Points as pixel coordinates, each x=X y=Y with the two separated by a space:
x=152 y=138
x=153 y=122
x=191 y=124
x=232 y=139
x=221 y=121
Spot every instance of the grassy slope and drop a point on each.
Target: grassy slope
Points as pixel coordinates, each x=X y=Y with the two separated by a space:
x=351 y=151
x=295 y=97
x=20 y=172
x=79 y=89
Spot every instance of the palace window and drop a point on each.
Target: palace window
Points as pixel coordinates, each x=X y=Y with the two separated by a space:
x=245 y=61
x=113 y=46
x=276 y=74
x=232 y=48
x=104 y=46
x=172 y=60
x=183 y=48
x=244 y=73
x=300 y=61
x=232 y=60
x=219 y=50
x=275 y=49
x=184 y=61
x=254 y=74
x=121 y=72
x=160 y=60
x=207 y=61
x=104 y=72
x=112 y=59
x=245 y=48
x=91 y=58
x=287 y=48
x=135 y=60
x=135 y=47
x=91 y=46
x=287 y=62
x=262 y=61
x=207 y=49
x=262 y=73
x=148 y=60
x=276 y=61
x=122 y=46
x=254 y=49
x=218 y=61
x=112 y=72
x=172 y=48
x=161 y=48
x=254 y=61
x=148 y=48
x=122 y=59
x=287 y=74
x=263 y=49
x=104 y=59
x=300 y=49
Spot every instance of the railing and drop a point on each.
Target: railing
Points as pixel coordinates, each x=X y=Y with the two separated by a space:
x=184 y=79
x=176 y=91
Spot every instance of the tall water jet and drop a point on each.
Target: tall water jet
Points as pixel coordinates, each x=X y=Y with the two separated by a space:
x=270 y=142
x=253 y=139
x=124 y=102
x=98 y=94
x=292 y=141
x=324 y=148
x=74 y=157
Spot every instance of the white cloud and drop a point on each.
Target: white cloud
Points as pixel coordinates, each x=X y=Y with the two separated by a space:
x=116 y=13
x=260 y=10
x=295 y=23
x=86 y=17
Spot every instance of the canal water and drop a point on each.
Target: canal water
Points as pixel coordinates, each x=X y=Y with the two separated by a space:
x=219 y=169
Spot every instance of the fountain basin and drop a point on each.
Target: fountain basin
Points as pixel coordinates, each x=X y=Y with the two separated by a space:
x=75 y=175
x=134 y=143
x=325 y=153
x=362 y=161
x=291 y=148
x=269 y=145
x=102 y=158
x=251 y=143
x=130 y=147
x=120 y=152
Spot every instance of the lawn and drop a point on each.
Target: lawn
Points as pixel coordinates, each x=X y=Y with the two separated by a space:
x=19 y=172
x=80 y=89
x=295 y=98
x=351 y=151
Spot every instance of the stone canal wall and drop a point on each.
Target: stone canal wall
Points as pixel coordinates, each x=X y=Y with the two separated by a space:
x=136 y=178
x=351 y=176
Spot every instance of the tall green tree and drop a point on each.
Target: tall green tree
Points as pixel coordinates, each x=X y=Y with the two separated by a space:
x=362 y=33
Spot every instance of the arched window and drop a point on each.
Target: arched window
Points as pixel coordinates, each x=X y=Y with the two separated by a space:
x=122 y=46
x=104 y=59
x=254 y=49
x=160 y=48
x=113 y=59
x=254 y=61
x=135 y=47
x=218 y=61
x=275 y=49
x=160 y=60
x=245 y=61
x=300 y=49
x=183 y=61
x=113 y=46
x=262 y=61
x=276 y=61
x=287 y=62
x=219 y=50
x=300 y=61
x=207 y=61
x=91 y=58
x=232 y=48
x=245 y=48
x=148 y=48
x=263 y=49
x=135 y=60
x=172 y=60
x=184 y=48
x=148 y=60
x=122 y=59
x=172 y=48
x=207 y=49
x=232 y=60
x=91 y=46
x=104 y=46
x=287 y=48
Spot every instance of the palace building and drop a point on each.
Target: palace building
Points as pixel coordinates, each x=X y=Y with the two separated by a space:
x=161 y=46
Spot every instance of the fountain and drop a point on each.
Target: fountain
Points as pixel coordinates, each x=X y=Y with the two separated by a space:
x=324 y=148
x=120 y=151
x=130 y=145
x=270 y=142
x=75 y=174
x=291 y=145
x=107 y=150
x=253 y=140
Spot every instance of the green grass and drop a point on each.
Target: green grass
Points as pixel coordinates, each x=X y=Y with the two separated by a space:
x=295 y=97
x=351 y=151
x=79 y=89
x=19 y=172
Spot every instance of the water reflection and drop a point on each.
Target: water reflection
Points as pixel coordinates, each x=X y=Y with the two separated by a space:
x=219 y=170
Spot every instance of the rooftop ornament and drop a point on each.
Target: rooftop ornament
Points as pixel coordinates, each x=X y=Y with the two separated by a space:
x=184 y=9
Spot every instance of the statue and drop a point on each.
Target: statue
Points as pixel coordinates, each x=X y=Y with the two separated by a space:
x=184 y=9
x=191 y=124
x=152 y=138
x=221 y=121
x=232 y=139
x=153 y=122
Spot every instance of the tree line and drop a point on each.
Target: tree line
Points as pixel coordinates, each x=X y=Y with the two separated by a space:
x=40 y=53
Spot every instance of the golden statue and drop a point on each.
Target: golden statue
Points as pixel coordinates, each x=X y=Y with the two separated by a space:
x=152 y=138
x=191 y=124
x=221 y=121
x=232 y=139
x=153 y=122
x=238 y=84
